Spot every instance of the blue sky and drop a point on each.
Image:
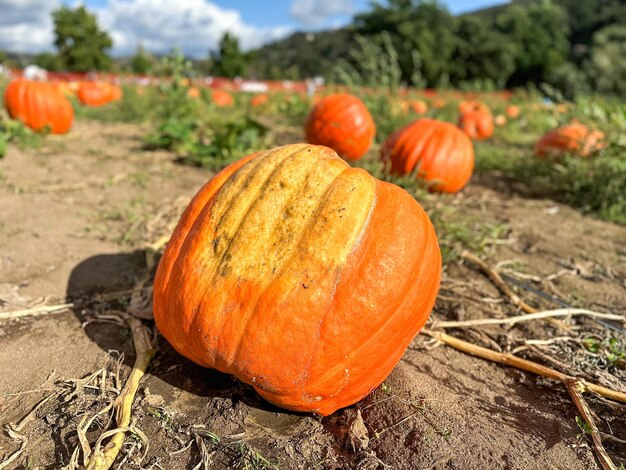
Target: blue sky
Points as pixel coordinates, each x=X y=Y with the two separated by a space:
x=268 y=13
x=193 y=25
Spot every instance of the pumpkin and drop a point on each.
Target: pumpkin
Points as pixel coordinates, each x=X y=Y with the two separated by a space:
x=438 y=103
x=222 y=98
x=470 y=106
x=571 y=138
x=259 y=100
x=193 y=92
x=478 y=124
x=303 y=277
x=499 y=120
x=116 y=92
x=39 y=105
x=437 y=151
x=95 y=93
x=343 y=123
x=512 y=111
x=64 y=88
x=419 y=107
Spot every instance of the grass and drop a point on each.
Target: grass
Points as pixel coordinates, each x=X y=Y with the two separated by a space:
x=595 y=185
x=15 y=132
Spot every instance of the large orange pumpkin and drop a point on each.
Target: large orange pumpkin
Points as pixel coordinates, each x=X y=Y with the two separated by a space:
x=222 y=98
x=39 y=105
x=95 y=93
x=478 y=124
x=437 y=151
x=571 y=138
x=300 y=275
x=343 y=123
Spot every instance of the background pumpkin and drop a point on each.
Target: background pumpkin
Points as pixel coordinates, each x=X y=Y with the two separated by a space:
x=574 y=137
x=343 y=123
x=478 y=124
x=419 y=107
x=221 y=98
x=512 y=111
x=259 y=100
x=39 y=105
x=439 y=152
x=95 y=93
x=305 y=278
x=500 y=120
x=193 y=92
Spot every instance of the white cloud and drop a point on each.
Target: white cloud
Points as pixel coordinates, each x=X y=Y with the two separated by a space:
x=315 y=12
x=195 y=26
x=26 y=25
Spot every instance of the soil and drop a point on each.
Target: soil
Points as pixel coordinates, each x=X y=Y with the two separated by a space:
x=75 y=215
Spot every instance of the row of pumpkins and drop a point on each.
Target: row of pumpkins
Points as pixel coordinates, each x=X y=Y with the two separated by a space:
x=305 y=277
x=438 y=152
x=40 y=104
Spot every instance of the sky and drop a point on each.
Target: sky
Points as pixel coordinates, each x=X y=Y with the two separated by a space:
x=195 y=26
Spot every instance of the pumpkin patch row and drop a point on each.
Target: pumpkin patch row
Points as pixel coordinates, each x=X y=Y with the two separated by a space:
x=437 y=152
x=41 y=105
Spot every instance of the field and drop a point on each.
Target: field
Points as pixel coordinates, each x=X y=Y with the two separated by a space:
x=82 y=215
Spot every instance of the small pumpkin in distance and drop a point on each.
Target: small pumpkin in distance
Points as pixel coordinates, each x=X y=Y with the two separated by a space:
x=343 y=123
x=96 y=94
x=477 y=124
x=500 y=120
x=39 y=105
x=221 y=98
x=438 y=103
x=574 y=138
x=259 y=100
x=301 y=276
x=512 y=111
x=438 y=151
x=468 y=106
x=419 y=107
x=193 y=92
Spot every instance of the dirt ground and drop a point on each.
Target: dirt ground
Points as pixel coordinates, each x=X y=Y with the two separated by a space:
x=75 y=215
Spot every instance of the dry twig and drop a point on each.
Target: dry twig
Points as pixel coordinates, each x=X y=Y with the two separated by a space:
x=497 y=280
x=508 y=359
x=576 y=389
x=561 y=312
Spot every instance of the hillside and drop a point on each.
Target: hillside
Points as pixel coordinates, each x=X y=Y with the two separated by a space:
x=301 y=55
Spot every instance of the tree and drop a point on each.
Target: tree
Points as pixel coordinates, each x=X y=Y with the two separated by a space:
x=481 y=52
x=422 y=26
x=607 y=64
x=48 y=61
x=142 y=62
x=229 y=61
x=539 y=33
x=82 y=45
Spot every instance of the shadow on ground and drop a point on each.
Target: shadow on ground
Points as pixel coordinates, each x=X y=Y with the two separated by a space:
x=104 y=274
